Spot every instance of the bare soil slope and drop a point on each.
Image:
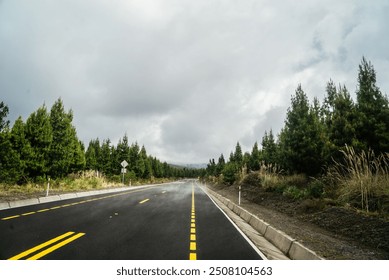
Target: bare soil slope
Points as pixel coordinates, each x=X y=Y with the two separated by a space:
x=332 y=232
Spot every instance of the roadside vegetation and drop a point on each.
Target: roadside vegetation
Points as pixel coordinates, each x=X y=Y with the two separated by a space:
x=334 y=153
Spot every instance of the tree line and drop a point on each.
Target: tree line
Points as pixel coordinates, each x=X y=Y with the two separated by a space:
x=315 y=133
x=47 y=145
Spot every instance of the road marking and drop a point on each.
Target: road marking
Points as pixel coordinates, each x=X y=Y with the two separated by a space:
x=47 y=243
x=55 y=247
x=193 y=244
x=29 y=213
x=143 y=201
x=10 y=217
x=74 y=203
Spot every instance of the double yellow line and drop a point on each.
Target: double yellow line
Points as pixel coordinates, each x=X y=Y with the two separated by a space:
x=66 y=238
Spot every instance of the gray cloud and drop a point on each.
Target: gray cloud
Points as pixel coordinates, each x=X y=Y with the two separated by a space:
x=186 y=78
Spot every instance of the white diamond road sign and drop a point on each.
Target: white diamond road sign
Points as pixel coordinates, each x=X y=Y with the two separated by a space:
x=124 y=163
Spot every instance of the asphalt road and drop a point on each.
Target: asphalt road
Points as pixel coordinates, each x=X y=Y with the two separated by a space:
x=176 y=221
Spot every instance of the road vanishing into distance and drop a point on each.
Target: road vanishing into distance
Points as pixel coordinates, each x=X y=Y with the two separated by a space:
x=175 y=221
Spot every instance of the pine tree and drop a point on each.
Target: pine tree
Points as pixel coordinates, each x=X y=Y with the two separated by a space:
x=238 y=155
x=255 y=159
x=4 y=110
x=40 y=136
x=78 y=161
x=339 y=117
x=134 y=156
x=220 y=165
x=64 y=138
x=105 y=157
x=21 y=146
x=302 y=138
x=373 y=111
x=10 y=166
x=92 y=155
x=269 y=148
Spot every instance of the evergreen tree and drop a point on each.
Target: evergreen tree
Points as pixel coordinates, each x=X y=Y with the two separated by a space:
x=123 y=150
x=134 y=156
x=238 y=155
x=302 y=138
x=21 y=146
x=92 y=155
x=255 y=159
x=373 y=111
x=140 y=165
x=269 y=148
x=78 y=161
x=339 y=117
x=147 y=172
x=220 y=165
x=64 y=138
x=211 y=168
x=39 y=134
x=9 y=159
x=105 y=157
x=230 y=172
x=4 y=110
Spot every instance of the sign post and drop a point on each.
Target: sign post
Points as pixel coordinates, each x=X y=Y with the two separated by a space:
x=124 y=164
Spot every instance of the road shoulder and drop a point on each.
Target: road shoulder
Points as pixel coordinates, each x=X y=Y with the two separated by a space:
x=274 y=244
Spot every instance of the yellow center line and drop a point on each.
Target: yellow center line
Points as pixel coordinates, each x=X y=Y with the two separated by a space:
x=36 y=248
x=43 y=210
x=193 y=244
x=55 y=247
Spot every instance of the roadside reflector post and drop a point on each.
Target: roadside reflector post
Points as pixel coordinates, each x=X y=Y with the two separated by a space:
x=240 y=188
x=48 y=187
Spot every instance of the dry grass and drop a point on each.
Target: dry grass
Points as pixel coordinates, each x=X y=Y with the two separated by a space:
x=363 y=177
x=270 y=175
x=75 y=182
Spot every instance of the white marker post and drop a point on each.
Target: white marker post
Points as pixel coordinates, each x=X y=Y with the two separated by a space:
x=239 y=195
x=48 y=187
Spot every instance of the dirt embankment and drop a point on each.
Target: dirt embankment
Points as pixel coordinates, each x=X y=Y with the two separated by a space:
x=332 y=232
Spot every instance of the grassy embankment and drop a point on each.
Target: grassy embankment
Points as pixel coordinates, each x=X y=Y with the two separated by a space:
x=84 y=181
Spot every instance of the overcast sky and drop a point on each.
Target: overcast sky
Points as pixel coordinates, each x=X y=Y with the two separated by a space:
x=188 y=79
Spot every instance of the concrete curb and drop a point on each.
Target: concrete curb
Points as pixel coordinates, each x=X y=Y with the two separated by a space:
x=288 y=245
x=4 y=205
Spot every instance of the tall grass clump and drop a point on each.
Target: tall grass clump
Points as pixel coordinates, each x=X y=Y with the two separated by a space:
x=270 y=175
x=362 y=178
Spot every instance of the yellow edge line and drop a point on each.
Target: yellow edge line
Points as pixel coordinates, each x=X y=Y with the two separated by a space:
x=143 y=201
x=55 y=247
x=36 y=248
